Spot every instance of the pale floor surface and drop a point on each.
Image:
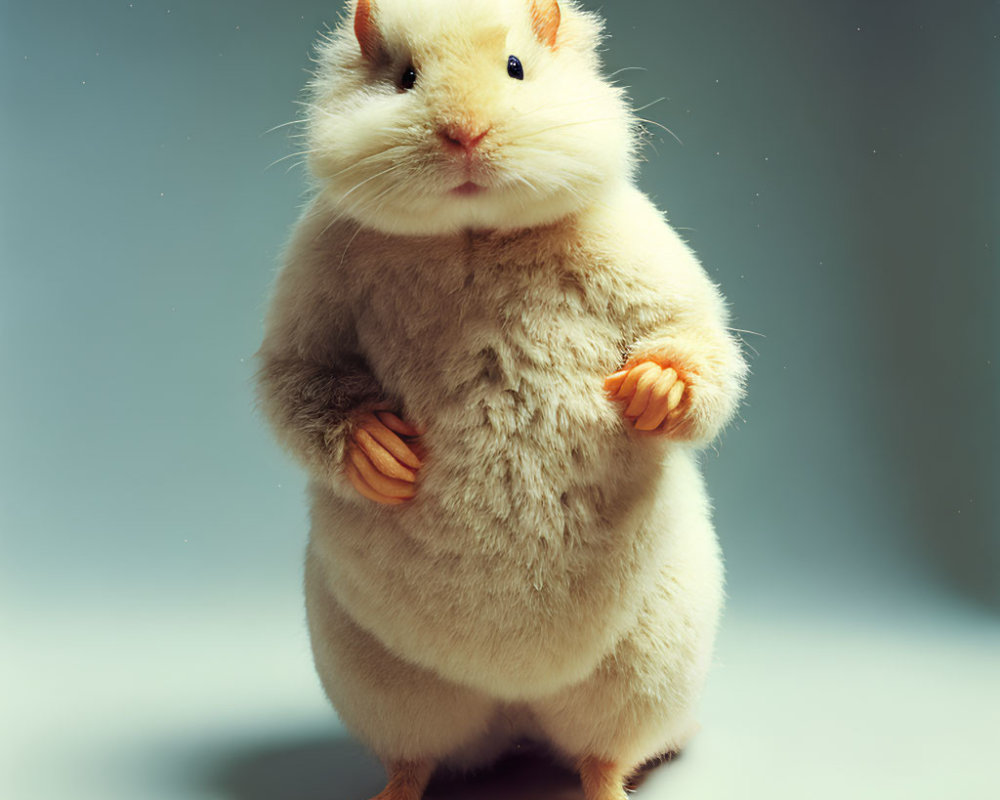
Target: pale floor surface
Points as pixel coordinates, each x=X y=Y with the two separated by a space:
x=220 y=704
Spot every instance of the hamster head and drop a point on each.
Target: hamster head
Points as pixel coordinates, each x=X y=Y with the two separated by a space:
x=434 y=116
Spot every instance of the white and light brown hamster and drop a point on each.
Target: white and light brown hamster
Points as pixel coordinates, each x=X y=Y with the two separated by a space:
x=505 y=555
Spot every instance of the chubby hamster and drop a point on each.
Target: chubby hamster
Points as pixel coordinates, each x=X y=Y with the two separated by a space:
x=497 y=362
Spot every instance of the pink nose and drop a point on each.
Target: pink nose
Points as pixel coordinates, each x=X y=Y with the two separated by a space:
x=458 y=137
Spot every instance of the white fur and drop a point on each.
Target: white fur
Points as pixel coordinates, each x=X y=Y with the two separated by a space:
x=557 y=573
x=556 y=137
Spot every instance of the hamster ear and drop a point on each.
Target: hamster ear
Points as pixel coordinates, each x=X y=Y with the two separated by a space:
x=545 y=16
x=365 y=30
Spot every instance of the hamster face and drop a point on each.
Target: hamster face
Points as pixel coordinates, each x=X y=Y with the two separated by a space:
x=435 y=116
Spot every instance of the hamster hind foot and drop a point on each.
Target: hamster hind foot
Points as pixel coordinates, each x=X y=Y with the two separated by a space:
x=602 y=780
x=407 y=780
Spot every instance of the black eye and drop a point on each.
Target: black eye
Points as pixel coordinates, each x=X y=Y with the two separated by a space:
x=408 y=79
x=514 y=68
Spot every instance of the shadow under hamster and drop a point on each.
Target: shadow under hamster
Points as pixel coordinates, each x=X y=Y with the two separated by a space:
x=338 y=768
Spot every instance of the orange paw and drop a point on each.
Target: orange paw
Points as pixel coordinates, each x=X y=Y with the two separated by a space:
x=383 y=457
x=656 y=396
x=602 y=780
x=407 y=780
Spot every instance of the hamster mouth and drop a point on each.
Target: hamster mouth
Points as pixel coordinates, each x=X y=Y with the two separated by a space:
x=468 y=188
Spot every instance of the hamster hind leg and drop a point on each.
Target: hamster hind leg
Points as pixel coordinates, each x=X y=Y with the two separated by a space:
x=639 y=703
x=412 y=719
x=407 y=780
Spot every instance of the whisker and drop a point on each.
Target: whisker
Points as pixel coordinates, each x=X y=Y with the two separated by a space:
x=344 y=211
x=349 y=243
x=365 y=161
x=649 y=105
x=290 y=155
x=626 y=69
x=658 y=125
x=284 y=125
x=570 y=124
x=521 y=179
x=357 y=186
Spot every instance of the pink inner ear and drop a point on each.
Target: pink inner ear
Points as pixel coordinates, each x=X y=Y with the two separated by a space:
x=545 y=16
x=365 y=30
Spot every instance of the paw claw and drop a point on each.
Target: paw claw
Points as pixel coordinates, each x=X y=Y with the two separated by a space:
x=365 y=490
x=381 y=483
x=383 y=459
x=632 y=379
x=394 y=423
x=613 y=383
x=642 y=392
x=674 y=398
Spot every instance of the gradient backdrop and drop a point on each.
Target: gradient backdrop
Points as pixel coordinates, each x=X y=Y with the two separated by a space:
x=838 y=175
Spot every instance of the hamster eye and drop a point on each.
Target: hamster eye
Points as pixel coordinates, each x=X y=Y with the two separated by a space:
x=514 y=68
x=408 y=79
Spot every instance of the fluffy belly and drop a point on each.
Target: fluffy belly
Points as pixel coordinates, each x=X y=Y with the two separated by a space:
x=521 y=559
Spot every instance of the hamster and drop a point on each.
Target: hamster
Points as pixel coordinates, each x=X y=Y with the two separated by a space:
x=497 y=362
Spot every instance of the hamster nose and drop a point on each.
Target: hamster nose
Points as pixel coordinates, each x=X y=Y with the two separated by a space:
x=455 y=136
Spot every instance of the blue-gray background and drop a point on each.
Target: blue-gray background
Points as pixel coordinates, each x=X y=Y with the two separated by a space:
x=839 y=177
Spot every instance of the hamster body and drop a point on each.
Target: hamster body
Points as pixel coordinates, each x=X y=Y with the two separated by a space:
x=553 y=565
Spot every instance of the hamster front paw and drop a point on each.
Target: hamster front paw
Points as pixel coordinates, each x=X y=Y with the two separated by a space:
x=656 y=397
x=382 y=457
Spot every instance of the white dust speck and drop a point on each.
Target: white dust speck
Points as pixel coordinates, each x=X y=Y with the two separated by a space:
x=161 y=194
x=83 y=83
